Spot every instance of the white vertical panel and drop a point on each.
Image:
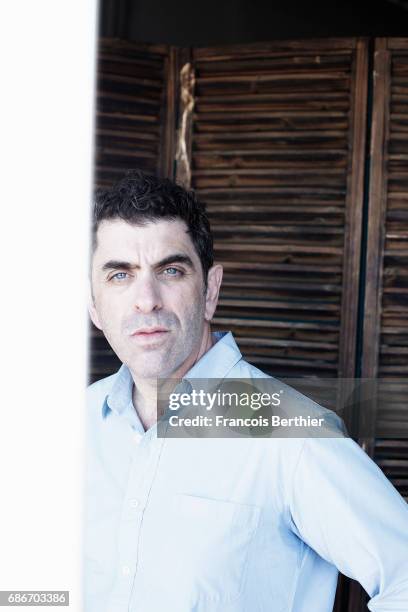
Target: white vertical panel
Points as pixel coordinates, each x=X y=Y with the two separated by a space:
x=47 y=74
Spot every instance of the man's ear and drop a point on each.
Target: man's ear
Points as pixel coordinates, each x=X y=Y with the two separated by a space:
x=214 y=279
x=92 y=309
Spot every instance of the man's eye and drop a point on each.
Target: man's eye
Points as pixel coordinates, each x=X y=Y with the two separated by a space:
x=172 y=272
x=119 y=276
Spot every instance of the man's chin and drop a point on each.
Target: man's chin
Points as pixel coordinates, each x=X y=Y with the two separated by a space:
x=146 y=370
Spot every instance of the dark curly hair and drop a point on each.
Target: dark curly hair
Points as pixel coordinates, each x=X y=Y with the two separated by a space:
x=140 y=198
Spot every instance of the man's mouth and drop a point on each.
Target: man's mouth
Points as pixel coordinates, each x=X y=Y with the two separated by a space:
x=149 y=332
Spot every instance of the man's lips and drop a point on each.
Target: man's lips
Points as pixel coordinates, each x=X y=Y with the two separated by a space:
x=145 y=332
x=152 y=337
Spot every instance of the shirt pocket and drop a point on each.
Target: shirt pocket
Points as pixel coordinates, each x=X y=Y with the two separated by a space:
x=211 y=541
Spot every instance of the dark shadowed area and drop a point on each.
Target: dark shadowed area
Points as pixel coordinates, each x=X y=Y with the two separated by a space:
x=212 y=22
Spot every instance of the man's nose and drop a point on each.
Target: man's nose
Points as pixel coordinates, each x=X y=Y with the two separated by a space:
x=147 y=294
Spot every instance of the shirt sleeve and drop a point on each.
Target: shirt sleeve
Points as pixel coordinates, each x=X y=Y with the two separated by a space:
x=343 y=507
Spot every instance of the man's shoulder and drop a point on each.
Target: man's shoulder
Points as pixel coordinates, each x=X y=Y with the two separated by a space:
x=295 y=403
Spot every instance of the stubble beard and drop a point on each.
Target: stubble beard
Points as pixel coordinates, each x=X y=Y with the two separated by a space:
x=182 y=345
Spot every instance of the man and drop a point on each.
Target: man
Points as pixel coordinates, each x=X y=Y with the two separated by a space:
x=210 y=524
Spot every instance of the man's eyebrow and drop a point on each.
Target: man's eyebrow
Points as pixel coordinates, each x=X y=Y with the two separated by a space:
x=115 y=264
x=175 y=258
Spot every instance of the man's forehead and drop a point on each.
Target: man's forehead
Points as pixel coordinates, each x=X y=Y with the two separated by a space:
x=119 y=237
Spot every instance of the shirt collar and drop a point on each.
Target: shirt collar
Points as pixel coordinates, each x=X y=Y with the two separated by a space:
x=215 y=363
x=218 y=361
x=121 y=393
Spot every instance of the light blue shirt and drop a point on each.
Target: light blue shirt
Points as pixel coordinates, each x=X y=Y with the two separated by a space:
x=232 y=525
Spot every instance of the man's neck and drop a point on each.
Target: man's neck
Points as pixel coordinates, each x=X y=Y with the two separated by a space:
x=144 y=393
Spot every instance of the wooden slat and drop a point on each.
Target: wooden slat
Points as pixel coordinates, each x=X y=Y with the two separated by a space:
x=279 y=48
x=353 y=220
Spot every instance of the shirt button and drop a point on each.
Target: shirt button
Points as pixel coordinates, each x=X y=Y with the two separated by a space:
x=126 y=570
x=137 y=437
x=134 y=503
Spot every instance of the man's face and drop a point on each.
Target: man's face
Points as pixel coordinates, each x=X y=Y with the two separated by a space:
x=149 y=295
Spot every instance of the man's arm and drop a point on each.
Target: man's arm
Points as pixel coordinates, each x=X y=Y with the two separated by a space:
x=344 y=508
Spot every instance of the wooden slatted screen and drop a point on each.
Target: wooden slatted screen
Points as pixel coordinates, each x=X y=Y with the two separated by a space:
x=132 y=118
x=134 y=129
x=277 y=153
x=385 y=351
